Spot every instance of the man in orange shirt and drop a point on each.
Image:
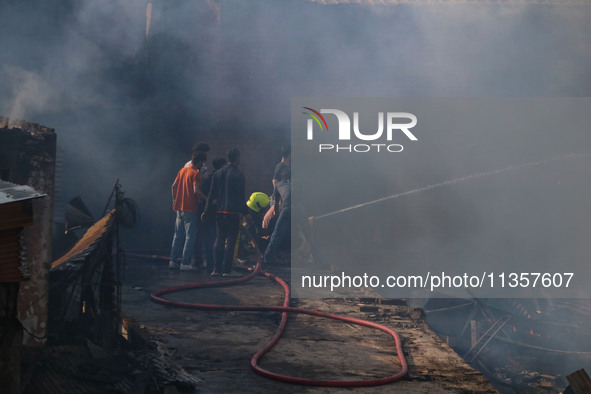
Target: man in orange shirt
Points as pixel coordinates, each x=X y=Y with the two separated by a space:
x=185 y=195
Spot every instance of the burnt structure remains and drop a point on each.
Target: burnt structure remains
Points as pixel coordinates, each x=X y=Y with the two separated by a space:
x=27 y=157
x=27 y=165
x=82 y=298
x=16 y=212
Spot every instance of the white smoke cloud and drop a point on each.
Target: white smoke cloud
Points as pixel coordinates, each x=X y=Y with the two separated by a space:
x=29 y=92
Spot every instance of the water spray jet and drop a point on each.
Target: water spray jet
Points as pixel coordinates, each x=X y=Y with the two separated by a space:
x=455 y=181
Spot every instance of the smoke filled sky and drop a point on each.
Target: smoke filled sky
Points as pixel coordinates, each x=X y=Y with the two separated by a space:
x=129 y=105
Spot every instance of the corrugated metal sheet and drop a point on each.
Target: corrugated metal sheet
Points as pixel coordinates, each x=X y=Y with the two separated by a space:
x=10 y=192
x=16 y=212
x=85 y=245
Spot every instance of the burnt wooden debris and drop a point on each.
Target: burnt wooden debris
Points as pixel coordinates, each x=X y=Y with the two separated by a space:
x=519 y=344
x=81 y=299
x=86 y=351
x=580 y=383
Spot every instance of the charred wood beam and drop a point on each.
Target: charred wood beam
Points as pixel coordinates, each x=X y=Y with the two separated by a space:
x=486 y=312
x=494 y=329
x=579 y=382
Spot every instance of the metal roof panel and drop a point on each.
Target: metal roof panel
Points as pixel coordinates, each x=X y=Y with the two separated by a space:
x=11 y=192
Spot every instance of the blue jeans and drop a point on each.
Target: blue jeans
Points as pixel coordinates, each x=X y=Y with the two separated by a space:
x=185 y=231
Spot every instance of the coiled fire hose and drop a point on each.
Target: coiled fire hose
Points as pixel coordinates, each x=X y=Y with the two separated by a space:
x=158 y=296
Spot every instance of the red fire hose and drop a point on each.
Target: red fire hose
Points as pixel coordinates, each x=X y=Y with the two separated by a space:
x=157 y=296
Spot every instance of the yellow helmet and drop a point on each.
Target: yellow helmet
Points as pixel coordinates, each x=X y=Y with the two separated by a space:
x=258 y=201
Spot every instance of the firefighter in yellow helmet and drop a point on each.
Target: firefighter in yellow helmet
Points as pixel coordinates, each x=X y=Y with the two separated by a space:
x=258 y=203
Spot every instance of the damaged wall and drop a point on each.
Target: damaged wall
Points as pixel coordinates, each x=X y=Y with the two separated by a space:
x=27 y=157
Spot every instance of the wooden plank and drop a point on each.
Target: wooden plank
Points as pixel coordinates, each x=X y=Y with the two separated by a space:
x=579 y=381
x=474 y=332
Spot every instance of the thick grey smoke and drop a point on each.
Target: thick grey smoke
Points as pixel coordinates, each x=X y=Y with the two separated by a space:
x=128 y=102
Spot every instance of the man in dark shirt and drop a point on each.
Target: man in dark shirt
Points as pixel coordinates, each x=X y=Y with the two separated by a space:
x=282 y=172
x=228 y=190
x=208 y=218
x=283 y=168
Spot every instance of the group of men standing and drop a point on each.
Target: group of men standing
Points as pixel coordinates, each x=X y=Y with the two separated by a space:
x=207 y=207
x=209 y=210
